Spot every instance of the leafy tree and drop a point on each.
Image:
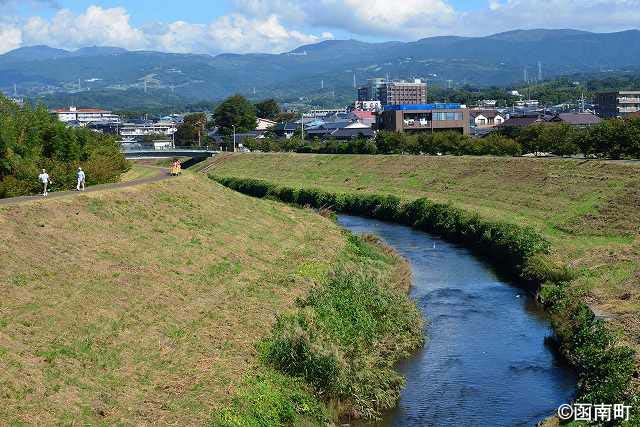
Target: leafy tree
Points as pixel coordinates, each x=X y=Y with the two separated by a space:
x=268 y=109
x=31 y=139
x=237 y=111
x=192 y=131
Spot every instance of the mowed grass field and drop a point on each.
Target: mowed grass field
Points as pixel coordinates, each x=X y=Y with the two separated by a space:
x=589 y=210
x=142 y=306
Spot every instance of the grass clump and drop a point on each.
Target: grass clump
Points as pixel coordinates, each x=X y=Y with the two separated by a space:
x=270 y=399
x=347 y=334
x=339 y=345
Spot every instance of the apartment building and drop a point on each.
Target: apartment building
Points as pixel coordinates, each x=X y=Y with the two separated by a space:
x=85 y=115
x=617 y=104
x=425 y=118
x=404 y=93
x=394 y=92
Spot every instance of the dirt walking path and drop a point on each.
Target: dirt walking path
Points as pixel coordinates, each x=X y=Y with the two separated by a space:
x=162 y=175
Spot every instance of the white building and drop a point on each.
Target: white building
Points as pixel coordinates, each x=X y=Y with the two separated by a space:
x=264 y=124
x=324 y=112
x=85 y=115
x=368 y=105
x=135 y=130
x=487 y=118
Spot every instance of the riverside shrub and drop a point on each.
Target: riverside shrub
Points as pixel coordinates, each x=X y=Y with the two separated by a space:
x=347 y=334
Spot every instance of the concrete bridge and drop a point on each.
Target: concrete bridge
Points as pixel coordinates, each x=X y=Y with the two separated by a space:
x=150 y=153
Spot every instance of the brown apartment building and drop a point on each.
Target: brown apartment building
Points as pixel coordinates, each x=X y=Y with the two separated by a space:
x=394 y=93
x=404 y=93
x=425 y=118
x=617 y=104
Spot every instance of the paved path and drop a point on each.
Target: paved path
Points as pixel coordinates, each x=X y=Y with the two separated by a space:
x=162 y=175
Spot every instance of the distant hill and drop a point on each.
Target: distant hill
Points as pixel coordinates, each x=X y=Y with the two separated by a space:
x=296 y=76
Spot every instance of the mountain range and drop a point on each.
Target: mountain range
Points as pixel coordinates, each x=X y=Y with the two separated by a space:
x=318 y=72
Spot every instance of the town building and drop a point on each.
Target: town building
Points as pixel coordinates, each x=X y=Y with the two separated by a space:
x=137 y=131
x=394 y=92
x=574 y=119
x=264 y=124
x=323 y=112
x=404 y=93
x=85 y=115
x=617 y=104
x=368 y=105
x=486 y=118
x=425 y=118
x=371 y=92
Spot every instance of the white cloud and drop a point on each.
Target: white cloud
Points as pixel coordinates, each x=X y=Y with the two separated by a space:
x=112 y=27
x=10 y=37
x=281 y=25
x=405 y=19
x=590 y=15
x=96 y=26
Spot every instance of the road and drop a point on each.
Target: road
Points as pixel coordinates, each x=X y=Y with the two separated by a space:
x=163 y=174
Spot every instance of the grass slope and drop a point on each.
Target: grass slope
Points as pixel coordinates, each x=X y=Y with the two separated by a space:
x=144 y=305
x=589 y=211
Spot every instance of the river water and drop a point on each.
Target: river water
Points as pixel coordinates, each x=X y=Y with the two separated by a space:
x=485 y=362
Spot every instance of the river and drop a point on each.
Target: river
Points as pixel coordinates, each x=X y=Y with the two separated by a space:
x=485 y=362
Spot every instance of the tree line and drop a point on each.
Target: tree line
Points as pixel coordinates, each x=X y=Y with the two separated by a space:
x=32 y=139
x=615 y=139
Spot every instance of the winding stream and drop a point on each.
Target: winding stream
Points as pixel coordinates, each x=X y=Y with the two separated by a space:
x=485 y=362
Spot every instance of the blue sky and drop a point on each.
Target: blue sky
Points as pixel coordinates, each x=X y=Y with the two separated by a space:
x=142 y=11
x=215 y=26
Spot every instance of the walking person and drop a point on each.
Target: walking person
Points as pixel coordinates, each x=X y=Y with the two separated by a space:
x=81 y=180
x=44 y=180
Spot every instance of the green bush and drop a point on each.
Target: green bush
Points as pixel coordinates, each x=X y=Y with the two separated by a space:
x=346 y=336
x=271 y=399
x=31 y=139
x=605 y=367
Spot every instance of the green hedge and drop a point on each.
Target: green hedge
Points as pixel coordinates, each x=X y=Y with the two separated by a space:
x=605 y=367
x=508 y=245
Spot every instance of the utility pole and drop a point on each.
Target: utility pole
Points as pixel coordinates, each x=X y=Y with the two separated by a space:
x=234 y=138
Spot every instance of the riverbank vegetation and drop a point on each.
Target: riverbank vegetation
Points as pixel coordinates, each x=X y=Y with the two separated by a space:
x=31 y=139
x=340 y=344
x=144 y=305
x=586 y=210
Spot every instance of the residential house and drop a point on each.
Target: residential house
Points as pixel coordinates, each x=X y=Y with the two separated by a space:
x=486 y=118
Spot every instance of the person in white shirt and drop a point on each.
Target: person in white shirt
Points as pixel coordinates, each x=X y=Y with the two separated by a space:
x=44 y=179
x=81 y=180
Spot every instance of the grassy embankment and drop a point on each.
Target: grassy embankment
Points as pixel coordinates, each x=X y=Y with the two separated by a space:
x=588 y=211
x=154 y=305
